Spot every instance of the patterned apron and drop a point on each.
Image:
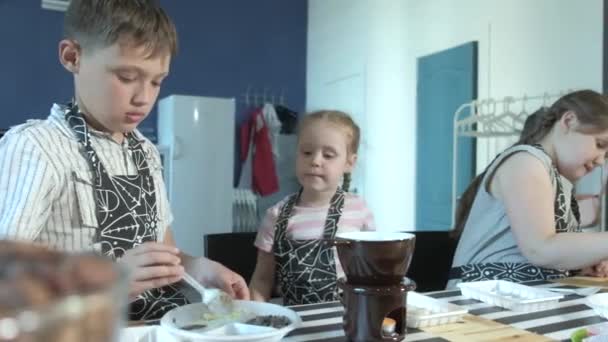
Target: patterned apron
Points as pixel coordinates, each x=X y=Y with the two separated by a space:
x=519 y=272
x=306 y=269
x=127 y=215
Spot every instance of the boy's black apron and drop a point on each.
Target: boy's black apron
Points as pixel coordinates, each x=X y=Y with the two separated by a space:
x=127 y=215
x=306 y=269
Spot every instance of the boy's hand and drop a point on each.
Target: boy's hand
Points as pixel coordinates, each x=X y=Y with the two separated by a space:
x=152 y=265
x=214 y=274
x=600 y=270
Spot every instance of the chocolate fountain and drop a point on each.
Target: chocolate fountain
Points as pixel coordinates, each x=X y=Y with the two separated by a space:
x=375 y=288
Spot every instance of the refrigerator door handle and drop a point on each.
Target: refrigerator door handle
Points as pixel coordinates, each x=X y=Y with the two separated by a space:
x=178 y=148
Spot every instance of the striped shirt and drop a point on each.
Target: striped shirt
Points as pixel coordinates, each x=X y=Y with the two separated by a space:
x=46 y=183
x=307 y=223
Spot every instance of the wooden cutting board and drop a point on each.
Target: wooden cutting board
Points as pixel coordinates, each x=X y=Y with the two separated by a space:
x=584 y=281
x=473 y=328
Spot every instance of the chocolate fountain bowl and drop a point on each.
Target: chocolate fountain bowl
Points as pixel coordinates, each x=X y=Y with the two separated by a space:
x=374 y=258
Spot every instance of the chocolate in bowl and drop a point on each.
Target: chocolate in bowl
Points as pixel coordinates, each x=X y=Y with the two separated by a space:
x=273 y=321
x=374 y=258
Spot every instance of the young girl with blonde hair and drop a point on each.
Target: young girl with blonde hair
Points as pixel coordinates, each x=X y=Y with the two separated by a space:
x=290 y=241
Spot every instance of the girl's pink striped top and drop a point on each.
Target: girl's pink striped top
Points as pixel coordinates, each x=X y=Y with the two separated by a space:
x=307 y=223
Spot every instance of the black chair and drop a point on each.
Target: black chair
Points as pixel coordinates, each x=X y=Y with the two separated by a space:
x=432 y=260
x=234 y=250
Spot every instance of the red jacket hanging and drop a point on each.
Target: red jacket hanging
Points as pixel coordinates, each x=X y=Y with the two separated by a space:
x=264 y=180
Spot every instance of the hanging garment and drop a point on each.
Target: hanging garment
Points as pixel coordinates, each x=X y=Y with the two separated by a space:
x=258 y=167
x=126 y=212
x=274 y=127
x=285 y=166
x=288 y=118
x=306 y=269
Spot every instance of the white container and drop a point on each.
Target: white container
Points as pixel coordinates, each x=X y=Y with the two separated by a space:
x=599 y=303
x=231 y=329
x=424 y=311
x=509 y=295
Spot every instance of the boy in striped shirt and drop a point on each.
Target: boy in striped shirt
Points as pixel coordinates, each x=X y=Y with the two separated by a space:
x=86 y=178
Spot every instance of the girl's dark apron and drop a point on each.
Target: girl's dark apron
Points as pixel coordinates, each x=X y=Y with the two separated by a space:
x=306 y=269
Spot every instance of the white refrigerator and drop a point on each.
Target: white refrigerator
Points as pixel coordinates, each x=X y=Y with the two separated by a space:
x=196 y=137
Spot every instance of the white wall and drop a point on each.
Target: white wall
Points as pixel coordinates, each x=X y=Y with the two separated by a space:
x=336 y=79
x=525 y=47
x=355 y=63
x=390 y=170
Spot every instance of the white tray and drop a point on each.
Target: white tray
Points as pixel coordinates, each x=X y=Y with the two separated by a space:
x=231 y=329
x=509 y=295
x=424 y=311
x=599 y=304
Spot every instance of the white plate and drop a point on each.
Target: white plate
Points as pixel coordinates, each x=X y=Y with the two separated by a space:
x=510 y=295
x=232 y=328
x=145 y=334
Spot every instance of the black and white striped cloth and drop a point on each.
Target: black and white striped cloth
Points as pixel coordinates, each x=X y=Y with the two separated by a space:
x=323 y=322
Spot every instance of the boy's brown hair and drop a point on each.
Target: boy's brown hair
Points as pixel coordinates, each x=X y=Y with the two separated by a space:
x=95 y=23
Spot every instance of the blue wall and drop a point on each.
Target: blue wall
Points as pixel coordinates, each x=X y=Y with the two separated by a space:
x=31 y=77
x=225 y=46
